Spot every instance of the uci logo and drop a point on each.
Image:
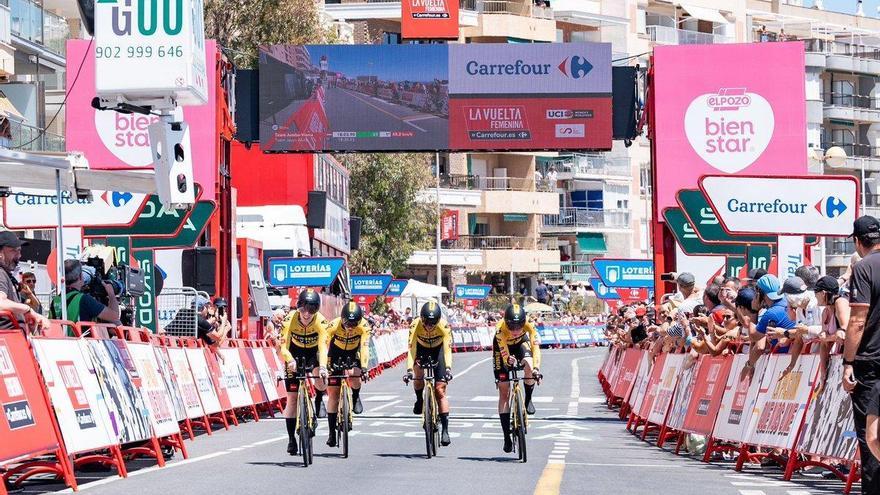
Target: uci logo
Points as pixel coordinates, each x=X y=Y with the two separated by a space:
x=830 y=207
x=147 y=16
x=576 y=68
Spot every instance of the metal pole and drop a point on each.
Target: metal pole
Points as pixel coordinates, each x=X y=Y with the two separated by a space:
x=439 y=220
x=59 y=249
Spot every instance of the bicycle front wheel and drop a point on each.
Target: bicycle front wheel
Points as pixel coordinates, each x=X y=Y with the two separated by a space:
x=345 y=424
x=428 y=421
x=305 y=435
x=520 y=431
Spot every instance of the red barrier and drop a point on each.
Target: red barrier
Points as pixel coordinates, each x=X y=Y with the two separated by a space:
x=29 y=430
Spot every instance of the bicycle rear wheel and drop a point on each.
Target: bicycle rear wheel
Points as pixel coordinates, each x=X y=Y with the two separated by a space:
x=345 y=424
x=305 y=436
x=428 y=420
x=520 y=426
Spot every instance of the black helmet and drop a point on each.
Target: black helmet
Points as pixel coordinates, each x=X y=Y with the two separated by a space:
x=351 y=314
x=310 y=298
x=515 y=316
x=431 y=313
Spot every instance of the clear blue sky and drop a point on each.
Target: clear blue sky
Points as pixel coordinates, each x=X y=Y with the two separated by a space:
x=848 y=6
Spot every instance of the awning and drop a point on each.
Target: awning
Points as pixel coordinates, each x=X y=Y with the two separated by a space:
x=703 y=13
x=277 y=227
x=8 y=110
x=592 y=243
x=417 y=289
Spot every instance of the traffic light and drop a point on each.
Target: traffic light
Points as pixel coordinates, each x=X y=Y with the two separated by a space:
x=172 y=162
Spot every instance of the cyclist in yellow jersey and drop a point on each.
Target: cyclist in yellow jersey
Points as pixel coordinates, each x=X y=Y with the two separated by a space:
x=515 y=342
x=349 y=340
x=304 y=339
x=430 y=338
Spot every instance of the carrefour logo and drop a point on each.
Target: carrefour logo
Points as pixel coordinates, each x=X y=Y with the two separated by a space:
x=575 y=67
x=831 y=207
x=117 y=199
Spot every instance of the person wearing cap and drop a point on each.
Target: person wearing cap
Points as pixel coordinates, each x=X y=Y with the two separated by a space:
x=754 y=275
x=776 y=315
x=208 y=325
x=861 y=351
x=10 y=254
x=835 y=315
x=687 y=296
x=82 y=306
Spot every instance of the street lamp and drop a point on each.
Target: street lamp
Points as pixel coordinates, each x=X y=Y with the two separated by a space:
x=834 y=157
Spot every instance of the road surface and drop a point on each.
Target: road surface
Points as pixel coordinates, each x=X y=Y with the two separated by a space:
x=576 y=446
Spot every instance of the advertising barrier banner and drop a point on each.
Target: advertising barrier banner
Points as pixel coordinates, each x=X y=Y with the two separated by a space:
x=666 y=388
x=208 y=393
x=640 y=385
x=629 y=367
x=113 y=369
x=233 y=378
x=163 y=359
x=727 y=120
x=706 y=396
x=653 y=385
x=183 y=376
x=462 y=97
x=782 y=401
x=26 y=427
x=75 y=394
x=149 y=380
x=264 y=373
x=683 y=392
x=252 y=376
x=829 y=429
x=738 y=401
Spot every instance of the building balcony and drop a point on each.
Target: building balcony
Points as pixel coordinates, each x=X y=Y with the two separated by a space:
x=7 y=52
x=858 y=156
x=576 y=271
x=520 y=19
x=842 y=56
x=592 y=166
x=856 y=108
x=665 y=35
x=493 y=254
x=574 y=220
x=39 y=31
x=29 y=138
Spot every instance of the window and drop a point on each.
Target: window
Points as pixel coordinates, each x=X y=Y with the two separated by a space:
x=645 y=179
x=390 y=38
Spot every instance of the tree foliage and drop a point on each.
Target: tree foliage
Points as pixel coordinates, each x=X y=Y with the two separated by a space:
x=384 y=192
x=242 y=26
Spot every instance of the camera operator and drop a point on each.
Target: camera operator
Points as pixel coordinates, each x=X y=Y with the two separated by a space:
x=80 y=305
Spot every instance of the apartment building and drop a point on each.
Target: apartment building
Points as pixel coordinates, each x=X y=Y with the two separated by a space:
x=498 y=199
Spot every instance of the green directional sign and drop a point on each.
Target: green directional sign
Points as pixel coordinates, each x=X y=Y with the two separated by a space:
x=122 y=246
x=734 y=265
x=188 y=235
x=154 y=220
x=698 y=212
x=690 y=243
x=145 y=305
x=758 y=256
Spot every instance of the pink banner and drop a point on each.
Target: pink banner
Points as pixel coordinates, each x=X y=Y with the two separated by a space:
x=113 y=141
x=713 y=116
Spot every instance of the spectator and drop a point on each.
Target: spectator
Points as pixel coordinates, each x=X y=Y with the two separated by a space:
x=210 y=327
x=861 y=354
x=407 y=316
x=754 y=275
x=566 y=293
x=10 y=254
x=80 y=305
x=732 y=283
x=563 y=256
x=767 y=296
x=542 y=292
x=803 y=309
x=809 y=274
x=835 y=316
x=687 y=296
x=26 y=291
x=712 y=299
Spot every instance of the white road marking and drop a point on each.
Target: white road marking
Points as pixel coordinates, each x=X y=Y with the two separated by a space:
x=610 y=464
x=469 y=368
x=380 y=398
x=752 y=492
x=494 y=398
x=591 y=400
x=383 y=406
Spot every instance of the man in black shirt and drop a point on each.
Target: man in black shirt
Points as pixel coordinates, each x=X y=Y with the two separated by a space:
x=861 y=354
x=10 y=254
x=209 y=324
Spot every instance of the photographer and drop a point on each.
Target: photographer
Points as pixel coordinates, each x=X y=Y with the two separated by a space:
x=10 y=254
x=82 y=306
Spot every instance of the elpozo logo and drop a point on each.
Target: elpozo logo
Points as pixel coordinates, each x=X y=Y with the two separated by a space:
x=729 y=129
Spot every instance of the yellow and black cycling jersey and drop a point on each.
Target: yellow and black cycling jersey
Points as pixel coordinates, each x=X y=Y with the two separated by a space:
x=357 y=338
x=295 y=335
x=421 y=337
x=505 y=340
